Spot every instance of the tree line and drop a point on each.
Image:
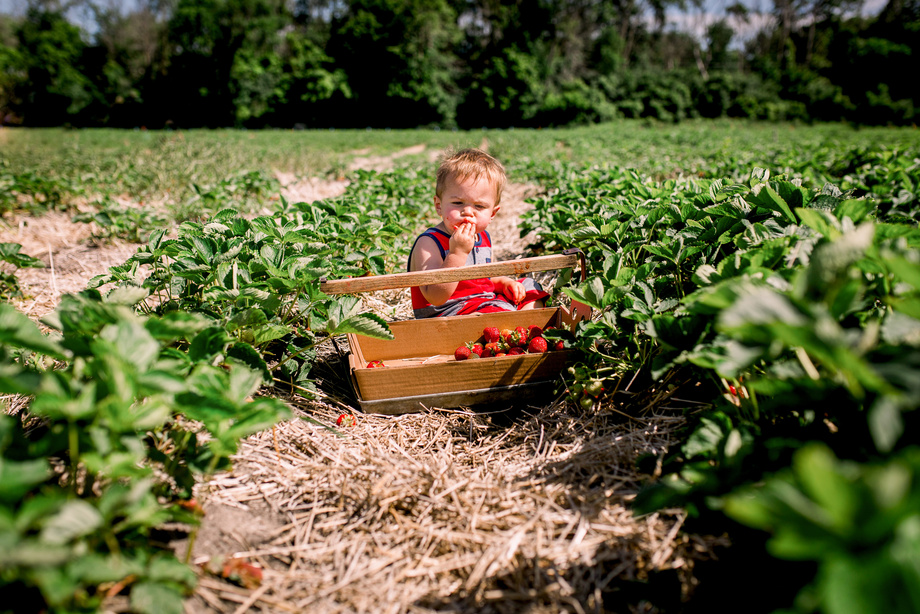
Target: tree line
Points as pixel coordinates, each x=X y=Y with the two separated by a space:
x=450 y=63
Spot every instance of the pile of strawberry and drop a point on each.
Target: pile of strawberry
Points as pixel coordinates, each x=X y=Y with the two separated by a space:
x=507 y=342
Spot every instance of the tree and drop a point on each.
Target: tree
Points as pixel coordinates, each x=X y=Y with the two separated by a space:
x=55 y=90
x=413 y=41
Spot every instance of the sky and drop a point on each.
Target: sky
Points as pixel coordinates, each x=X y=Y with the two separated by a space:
x=693 y=20
x=697 y=20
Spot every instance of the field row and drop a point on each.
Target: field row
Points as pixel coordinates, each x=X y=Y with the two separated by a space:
x=789 y=290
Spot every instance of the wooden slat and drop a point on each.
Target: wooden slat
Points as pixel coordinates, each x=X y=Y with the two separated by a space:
x=512 y=268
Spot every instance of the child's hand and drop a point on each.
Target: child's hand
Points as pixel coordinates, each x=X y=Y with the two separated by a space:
x=464 y=238
x=514 y=291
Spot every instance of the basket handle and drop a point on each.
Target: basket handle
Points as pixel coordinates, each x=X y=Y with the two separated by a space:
x=566 y=260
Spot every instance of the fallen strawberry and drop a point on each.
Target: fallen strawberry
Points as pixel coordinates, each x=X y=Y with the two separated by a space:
x=346 y=420
x=537 y=345
x=490 y=334
x=374 y=364
x=242 y=573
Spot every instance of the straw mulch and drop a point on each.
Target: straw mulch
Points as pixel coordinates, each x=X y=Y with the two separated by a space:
x=517 y=510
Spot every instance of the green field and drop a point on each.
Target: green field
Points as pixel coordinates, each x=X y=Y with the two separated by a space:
x=770 y=273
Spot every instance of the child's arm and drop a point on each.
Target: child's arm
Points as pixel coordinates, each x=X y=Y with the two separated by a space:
x=511 y=288
x=427 y=257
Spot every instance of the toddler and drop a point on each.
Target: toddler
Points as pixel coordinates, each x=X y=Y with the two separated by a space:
x=467 y=197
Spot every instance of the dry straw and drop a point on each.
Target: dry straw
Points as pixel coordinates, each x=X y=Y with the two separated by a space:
x=519 y=510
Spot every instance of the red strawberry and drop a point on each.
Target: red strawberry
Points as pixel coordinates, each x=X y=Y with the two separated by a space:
x=506 y=335
x=500 y=354
x=537 y=345
x=475 y=348
x=522 y=336
x=515 y=351
x=346 y=420
x=490 y=334
x=462 y=353
x=534 y=331
x=559 y=345
x=374 y=364
x=490 y=349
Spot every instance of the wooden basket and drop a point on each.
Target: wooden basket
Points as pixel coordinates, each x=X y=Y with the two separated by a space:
x=420 y=370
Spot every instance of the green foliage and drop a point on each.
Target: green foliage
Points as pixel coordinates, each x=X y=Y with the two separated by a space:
x=859 y=520
x=10 y=255
x=797 y=308
x=123 y=425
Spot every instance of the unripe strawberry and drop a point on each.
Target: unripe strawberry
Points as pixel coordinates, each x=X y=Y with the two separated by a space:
x=595 y=388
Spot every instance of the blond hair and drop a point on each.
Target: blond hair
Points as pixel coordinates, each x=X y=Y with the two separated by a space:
x=471 y=164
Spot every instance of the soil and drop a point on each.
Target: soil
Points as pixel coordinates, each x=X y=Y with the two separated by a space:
x=515 y=509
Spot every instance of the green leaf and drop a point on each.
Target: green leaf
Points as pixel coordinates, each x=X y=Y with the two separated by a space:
x=156 y=598
x=132 y=343
x=885 y=423
x=17 y=330
x=591 y=293
x=127 y=295
x=367 y=324
x=19 y=477
x=174 y=325
x=76 y=518
x=765 y=196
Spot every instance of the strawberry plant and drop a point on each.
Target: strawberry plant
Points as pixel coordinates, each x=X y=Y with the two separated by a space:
x=115 y=435
x=11 y=255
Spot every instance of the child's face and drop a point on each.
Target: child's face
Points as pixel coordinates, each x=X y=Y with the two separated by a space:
x=470 y=200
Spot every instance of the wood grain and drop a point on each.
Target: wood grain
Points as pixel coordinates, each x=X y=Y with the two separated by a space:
x=513 y=268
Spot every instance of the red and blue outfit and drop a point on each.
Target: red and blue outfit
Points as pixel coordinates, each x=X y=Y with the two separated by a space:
x=472 y=295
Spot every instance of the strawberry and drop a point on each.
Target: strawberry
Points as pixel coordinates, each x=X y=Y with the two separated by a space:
x=490 y=334
x=516 y=351
x=500 y=354
x=375 y=364
x=595 y=388
x=346 y=420
x=242 y=573
x=522 y=336
x=534 y=331
x=475 y=349
x=462 y=353
x=559 y=345
x=537 y=345
x=507 y=335
x=490 y=349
